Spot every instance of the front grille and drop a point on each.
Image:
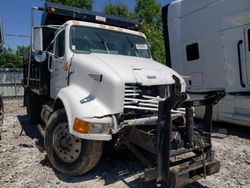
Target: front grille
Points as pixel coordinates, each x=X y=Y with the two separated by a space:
x=139 y=97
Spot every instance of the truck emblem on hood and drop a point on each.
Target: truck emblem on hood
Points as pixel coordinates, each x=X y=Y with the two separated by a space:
x=151 y=77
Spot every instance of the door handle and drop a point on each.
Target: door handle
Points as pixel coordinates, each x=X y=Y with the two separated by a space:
x=240 y=65
x=49 y=64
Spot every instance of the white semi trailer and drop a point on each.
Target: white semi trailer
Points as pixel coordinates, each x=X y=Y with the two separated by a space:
x=209 y=42
x=90 y=78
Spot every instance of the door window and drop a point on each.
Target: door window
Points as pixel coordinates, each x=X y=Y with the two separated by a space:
x=192 y=51
x=60 y=45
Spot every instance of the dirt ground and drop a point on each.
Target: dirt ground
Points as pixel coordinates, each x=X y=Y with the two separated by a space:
x=24 y=164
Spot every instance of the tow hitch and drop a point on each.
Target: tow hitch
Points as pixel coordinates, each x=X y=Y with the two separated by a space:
x=183 y=151
x=196 y=158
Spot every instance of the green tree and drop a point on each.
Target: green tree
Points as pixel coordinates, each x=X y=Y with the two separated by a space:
x=155 y=38
x=118 y=9
x=21 y=50
x=87 y=4
x=148 y=13
x=10 y=59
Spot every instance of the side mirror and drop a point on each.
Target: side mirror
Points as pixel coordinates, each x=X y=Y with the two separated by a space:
x=37 y=39
x=40 y=57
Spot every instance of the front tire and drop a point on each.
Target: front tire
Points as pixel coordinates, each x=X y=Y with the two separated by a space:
x=67 y=153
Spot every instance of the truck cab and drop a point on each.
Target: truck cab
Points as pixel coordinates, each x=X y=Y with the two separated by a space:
x=106 y=67
x=208 y=41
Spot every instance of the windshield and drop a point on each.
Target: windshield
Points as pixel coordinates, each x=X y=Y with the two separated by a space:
x=94 y=40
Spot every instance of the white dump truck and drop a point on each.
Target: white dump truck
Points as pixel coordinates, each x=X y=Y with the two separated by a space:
x=90 y=78
x=209 y=42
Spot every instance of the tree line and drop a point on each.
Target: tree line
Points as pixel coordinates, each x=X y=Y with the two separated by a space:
x=146 y=12
x=11 y=59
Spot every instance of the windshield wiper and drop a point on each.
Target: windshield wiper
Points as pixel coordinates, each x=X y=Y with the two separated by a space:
x=103 y=41
x=133 y=46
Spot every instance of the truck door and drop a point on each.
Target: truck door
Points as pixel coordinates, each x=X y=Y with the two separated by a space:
x=193 y=66
x=58 y=79
x=247 y=52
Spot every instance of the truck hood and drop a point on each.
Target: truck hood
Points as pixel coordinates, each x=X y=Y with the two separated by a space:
x=138 y=70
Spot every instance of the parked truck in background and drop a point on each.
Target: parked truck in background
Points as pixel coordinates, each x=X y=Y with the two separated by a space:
x=209 y=41
x=90 y=78
x=1 y=100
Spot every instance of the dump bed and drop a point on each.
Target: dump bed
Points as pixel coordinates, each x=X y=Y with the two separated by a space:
x=56 y=14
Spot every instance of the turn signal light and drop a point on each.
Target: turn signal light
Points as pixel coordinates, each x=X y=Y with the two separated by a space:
x=52 y=9
x=81 y=126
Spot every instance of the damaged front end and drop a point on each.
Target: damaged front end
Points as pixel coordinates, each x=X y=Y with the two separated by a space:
x=182 y=150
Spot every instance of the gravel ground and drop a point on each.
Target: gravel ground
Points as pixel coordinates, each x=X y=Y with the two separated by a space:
x=24 y=164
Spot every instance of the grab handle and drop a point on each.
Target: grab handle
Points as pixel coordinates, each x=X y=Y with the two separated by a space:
x=240 y=66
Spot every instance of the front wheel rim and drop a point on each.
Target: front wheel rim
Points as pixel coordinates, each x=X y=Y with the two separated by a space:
x=66 y=146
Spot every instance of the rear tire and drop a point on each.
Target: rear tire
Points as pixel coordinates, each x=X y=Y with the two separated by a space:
x=33 y=107
x=67 y=153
